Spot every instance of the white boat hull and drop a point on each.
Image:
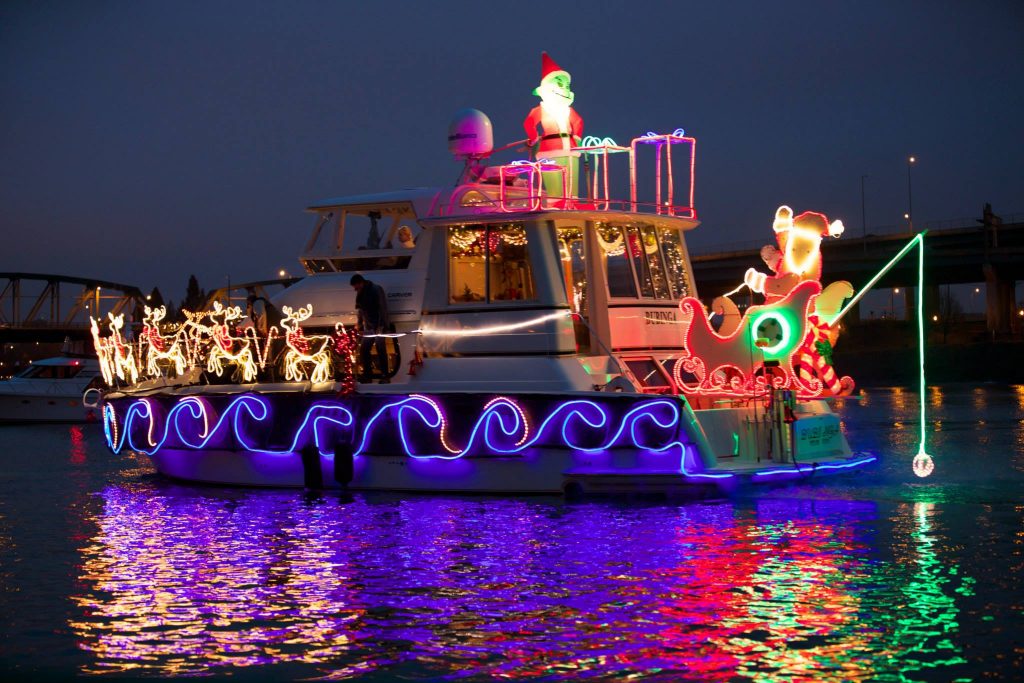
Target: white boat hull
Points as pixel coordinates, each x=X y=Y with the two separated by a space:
x=382 y=442
x=26 y=408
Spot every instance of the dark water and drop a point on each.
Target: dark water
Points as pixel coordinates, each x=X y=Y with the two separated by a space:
x=107 y=569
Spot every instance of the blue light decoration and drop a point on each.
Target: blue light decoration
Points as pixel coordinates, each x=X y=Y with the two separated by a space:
x=417 y=427
x=502 y=427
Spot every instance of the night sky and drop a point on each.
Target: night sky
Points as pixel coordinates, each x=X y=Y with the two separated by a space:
x=144 y=141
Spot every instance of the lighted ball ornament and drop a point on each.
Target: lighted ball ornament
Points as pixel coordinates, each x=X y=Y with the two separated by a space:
x=923 y=465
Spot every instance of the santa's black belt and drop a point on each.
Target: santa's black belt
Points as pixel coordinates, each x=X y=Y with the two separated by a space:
x=555 y=136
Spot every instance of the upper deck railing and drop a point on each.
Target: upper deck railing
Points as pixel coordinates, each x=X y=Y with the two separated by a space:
x=554 y=184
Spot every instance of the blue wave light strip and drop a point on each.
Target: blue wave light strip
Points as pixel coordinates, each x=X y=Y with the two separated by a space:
x=500 y=422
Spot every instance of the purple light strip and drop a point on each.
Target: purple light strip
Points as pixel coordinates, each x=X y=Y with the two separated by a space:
x=501 y=420
x=810 y=469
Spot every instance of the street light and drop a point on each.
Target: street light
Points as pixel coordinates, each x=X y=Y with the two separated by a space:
x=282 y=272
x=910 y=193
x=863 y=214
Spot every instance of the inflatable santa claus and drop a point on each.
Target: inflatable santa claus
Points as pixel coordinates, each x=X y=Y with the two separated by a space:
x=553 y=127
x=798 y=257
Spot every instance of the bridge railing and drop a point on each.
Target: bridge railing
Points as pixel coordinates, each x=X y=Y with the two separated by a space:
x=889 y=230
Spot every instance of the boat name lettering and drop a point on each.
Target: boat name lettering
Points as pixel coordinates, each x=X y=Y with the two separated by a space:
x=819 y=435
x=659 y=317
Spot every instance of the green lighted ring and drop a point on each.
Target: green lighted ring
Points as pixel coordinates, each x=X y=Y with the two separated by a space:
x=783 y=323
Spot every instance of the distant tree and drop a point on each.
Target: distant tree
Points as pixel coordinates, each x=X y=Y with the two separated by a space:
x=156 y=299
x=173 y=314
x=194 y=296
x=951 y=313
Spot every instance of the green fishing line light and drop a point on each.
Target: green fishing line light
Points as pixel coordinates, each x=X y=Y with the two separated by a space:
x=923 y=465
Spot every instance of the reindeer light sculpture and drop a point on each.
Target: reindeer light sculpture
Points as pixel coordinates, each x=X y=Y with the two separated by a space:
x=226 y=348
x=104 y=352
x=303 y=350
x=160 y=349
x=121 y=351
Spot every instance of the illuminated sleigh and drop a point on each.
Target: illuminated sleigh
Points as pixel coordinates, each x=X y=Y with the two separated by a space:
x=774 y=346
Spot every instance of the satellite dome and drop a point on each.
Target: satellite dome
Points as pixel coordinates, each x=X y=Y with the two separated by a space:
x=470 y=134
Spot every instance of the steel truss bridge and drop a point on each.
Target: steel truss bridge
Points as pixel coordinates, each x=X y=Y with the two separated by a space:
x=39 y=307
x=43 y=307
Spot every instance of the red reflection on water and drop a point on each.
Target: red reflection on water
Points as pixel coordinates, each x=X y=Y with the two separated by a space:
x=178 y=585
x=77 y=451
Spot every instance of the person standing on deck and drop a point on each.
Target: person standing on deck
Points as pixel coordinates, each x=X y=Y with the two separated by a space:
x=371 y=322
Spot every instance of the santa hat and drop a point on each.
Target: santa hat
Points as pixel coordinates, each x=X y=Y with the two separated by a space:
x=810 y=221
x=549 y=69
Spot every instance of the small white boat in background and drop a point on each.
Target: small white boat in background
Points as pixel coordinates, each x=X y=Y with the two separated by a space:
x=50 y=390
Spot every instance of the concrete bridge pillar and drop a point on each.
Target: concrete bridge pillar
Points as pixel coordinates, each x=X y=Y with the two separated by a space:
x=999 y=301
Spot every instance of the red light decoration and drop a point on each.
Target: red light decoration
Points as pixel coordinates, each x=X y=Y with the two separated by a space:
x=664 y=143
x=733 y=365
x=785 y=343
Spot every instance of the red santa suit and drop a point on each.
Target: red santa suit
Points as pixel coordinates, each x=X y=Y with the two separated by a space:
x=556 y=136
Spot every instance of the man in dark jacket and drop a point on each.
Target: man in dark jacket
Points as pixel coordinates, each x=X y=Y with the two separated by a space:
x=371 y=321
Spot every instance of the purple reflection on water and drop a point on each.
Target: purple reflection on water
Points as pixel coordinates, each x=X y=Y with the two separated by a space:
x=181 y=580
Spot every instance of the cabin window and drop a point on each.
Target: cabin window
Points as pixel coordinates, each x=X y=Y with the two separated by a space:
x=317 y=265
x=655 y=262
x=574 y=267
x=650 y=374
x=572 y=254
x=643 y=261
x=403 y=235
x=50 y=372
x=675 y=264
x=489 y=264
x=620 y=272
x=638 y=248
x=348 y=265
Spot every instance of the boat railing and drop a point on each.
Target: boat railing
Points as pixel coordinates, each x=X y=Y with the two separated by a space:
x=529 y=203
x=553 y=184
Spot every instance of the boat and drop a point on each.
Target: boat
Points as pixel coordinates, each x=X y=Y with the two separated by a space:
x=545 y=336
x=50 y=390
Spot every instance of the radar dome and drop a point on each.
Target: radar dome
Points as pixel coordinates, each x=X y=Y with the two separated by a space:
x=470 y=134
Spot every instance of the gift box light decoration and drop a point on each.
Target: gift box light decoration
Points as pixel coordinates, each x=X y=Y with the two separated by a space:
x=663 y=144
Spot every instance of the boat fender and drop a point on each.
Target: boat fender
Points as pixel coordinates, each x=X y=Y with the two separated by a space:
x=343 y=463
x=312 y=475
x=92 y=397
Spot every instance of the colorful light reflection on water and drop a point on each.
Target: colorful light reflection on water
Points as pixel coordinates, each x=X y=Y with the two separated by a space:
x=107 y=569
x=177 y=582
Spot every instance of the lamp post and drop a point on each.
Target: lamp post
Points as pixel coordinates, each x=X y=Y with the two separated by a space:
x=910 y=192
x=863 y=215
